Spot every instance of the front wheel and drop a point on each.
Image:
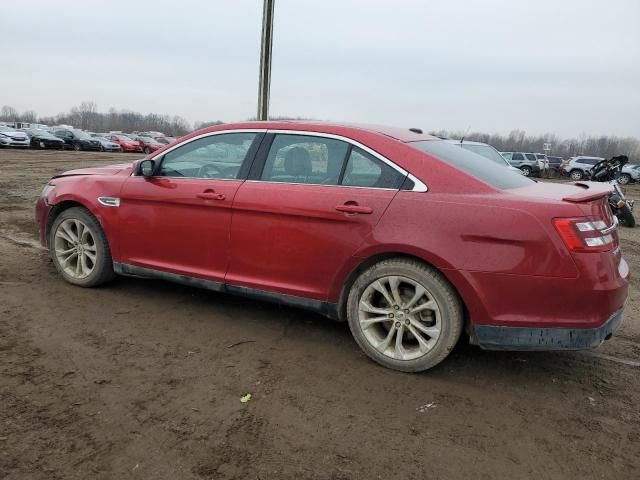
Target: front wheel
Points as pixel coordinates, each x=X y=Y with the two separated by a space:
x=404 y=315
x=624 y=179
x=77 y=147
x=626 y=217
x=79 y=248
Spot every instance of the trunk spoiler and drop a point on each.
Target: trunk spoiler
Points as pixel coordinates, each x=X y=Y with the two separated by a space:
x=592 y=191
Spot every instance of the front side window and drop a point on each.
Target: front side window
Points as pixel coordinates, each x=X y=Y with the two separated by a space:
x=365 y=170
x=215 y=156
x=305 y=159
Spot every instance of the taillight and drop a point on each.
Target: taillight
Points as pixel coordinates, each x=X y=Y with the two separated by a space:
x=582 y=235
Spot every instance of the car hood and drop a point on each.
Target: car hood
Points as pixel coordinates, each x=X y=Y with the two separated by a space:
x=15 y=134
x=123 y=168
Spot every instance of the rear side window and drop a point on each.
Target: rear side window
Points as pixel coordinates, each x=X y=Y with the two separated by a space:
x=531 y=156
x=496 y=175
x=365 y=170
x=517 y=156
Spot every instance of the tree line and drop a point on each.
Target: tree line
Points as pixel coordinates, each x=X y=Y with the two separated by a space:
x=518 y=141
x=87 y=117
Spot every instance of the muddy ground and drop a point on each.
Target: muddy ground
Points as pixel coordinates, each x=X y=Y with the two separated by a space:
x=139 y=379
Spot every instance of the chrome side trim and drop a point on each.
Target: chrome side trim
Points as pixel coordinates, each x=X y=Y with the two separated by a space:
x=419 y=186
x=109 y=201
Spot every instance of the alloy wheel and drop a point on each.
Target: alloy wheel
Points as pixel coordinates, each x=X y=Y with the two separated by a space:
x=399 y=317
x=75 y=248
x=576 y=175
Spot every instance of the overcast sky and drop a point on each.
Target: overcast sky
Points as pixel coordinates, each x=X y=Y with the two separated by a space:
x=563 y=66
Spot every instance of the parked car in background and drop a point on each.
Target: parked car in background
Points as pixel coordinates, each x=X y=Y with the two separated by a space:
x=107 y=145
x=165 y=140
x=126 y=143
x=485 y=150
x=39 y=138
x=77 y=139
x=629 y=173
x=409 y=239
x=542 y=161
x=555 y=162
x=10 y=137
x=576 y=167
x=149 y=144
x=527 y=162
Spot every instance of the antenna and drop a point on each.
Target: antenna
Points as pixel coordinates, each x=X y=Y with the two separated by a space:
x=465 y=133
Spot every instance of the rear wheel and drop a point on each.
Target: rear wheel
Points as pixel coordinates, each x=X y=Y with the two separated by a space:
x=526 y=171
x=79 y=248
x=576 y=175
x=404 y=315
x=147 y=150
x=627 y=218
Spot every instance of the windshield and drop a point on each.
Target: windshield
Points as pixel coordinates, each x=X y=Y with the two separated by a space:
x=487 y=151
x=147 y=140
x=82 y=135
x=38 y=131
x=6 y=129
x=123 y=138
x=472 y=164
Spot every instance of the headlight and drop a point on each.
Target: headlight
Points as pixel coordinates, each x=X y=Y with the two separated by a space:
x=48 y=188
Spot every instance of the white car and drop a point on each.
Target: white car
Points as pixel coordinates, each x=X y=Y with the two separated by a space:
x=629 y=173
x=10 y=137
x=485 y=150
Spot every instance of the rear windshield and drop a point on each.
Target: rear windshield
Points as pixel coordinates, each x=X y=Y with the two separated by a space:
x=498 y=176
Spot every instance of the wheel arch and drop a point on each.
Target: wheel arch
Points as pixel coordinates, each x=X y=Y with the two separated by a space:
x=369 y=261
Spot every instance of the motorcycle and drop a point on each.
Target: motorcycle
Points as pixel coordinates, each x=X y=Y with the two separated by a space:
x=609 y=171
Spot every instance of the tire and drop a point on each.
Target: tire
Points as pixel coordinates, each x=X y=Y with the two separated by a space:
x=576 y=174
x=624 y=179
x=95 y=242
x=147 y=150
x=627 y=218
x=102 y=148
x=526 y=171
x=445 y=319
x=77 y=147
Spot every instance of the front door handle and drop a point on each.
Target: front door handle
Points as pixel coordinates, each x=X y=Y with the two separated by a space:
x=351 y=208
x=211 y=196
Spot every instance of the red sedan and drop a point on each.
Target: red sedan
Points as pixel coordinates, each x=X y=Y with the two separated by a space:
x=410 y=239
x=149 y=145
x=127 y=144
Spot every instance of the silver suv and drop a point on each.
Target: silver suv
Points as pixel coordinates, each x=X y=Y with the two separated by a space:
x=527 y=162
x=576 y=167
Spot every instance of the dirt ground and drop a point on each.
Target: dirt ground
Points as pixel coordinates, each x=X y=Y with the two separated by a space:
x=141 y=379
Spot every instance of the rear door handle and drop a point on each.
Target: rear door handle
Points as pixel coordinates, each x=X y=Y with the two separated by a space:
x=354 y=209
x=211 y=196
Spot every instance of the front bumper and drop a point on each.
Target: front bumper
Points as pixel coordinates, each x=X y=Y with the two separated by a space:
x=493 y=337
x=42 y=216
x=14 y=143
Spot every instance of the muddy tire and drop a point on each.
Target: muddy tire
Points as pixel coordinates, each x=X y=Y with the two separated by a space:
x=79 y=248
x=404 y=315
x=627 y=219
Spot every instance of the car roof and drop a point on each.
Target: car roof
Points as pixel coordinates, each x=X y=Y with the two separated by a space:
x=401 y=134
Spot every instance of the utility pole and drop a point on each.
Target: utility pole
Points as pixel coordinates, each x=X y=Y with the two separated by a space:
x=265 y=60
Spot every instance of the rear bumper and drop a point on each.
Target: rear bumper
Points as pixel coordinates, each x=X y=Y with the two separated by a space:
x=492 y=337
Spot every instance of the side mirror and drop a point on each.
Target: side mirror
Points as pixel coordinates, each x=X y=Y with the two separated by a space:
x=147 y=168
